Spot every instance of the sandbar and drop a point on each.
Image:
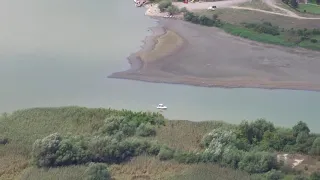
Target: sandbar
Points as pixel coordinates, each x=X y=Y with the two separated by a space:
x=207 y=56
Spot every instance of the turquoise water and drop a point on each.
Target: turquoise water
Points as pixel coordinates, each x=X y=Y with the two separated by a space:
x=59 y=53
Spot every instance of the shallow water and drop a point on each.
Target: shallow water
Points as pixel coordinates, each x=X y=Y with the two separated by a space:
x=58 y=53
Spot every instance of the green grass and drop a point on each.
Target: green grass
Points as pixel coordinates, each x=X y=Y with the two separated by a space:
x=61 y=173
x=255 y=36
x=285 y=38
x=309 y=8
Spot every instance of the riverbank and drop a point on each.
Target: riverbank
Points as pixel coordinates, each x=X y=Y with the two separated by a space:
x=229 y=62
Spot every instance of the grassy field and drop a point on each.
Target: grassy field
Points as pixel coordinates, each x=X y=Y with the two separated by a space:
x=287 y=27
x=238 y=16
x=309 y=8
x=25 y=126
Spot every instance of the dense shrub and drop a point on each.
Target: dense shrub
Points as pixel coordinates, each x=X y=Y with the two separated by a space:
x=97 y=172
x=55 y=150
x=165 y=153
x=253 y=132
x=300 y=127
x=231 y=157
x=265 y=27
x=3 y=140
x=203 y=20
x=274 y=175
x=127 y=124
x=314 y=40
x=258 y=162
x=164 y=4
x=145 y=130
x=172 y=10
x=315 y=149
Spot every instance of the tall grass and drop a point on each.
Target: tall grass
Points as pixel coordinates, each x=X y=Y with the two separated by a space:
x=61 y=173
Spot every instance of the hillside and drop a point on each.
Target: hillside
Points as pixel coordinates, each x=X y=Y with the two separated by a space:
x=60 y=143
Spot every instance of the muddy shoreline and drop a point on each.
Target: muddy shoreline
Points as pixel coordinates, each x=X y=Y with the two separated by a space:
x=265 y=70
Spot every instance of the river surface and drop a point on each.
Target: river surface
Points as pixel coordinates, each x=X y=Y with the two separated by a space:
x=59 y=53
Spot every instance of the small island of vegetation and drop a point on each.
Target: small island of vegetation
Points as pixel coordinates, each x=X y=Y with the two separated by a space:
x=83 y=143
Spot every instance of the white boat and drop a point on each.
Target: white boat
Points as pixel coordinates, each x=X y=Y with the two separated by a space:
x=212 y=8
x=161 y=106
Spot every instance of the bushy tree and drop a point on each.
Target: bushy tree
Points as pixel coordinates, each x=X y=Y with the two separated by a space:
x=294 y=4
x=114 y=124
x=302 y=137
x=231 y=157
x=254 y=131
x=165 y=153
x=258 y=162
x=97 y=171
x=145 y=130
x=315 y=149
x=164 y=4
x=274 y=175
x=54 y=150
x=44 y=150
x=300 y=127
x=172 y=10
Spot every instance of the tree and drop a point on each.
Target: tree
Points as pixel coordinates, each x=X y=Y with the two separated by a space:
x=294 y=4
x=315 y=149
x=254 y=131
x=302 y=137
x=300 y=127
x=172 y=10
x=274 y=175
x=165 y=153
x=97 y=171
x=258 y=162
x=163 y=5
x=44 y=150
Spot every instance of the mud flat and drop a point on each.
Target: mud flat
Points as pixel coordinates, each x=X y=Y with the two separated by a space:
x=179 y=52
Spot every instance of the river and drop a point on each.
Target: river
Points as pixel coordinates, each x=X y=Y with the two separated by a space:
x=59 y=53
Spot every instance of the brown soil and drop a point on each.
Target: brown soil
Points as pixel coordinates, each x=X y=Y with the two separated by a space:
x=209 y=57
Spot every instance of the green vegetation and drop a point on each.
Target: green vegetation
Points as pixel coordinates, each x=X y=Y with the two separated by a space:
x=101 y=141
x=166 y=6
x=97 y=172
x=262 y=32
x=309 y=8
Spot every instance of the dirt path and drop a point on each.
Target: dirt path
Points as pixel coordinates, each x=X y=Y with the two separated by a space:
x=233 y=3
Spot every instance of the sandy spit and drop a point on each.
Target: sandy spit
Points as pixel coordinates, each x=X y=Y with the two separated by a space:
x=212 y=58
